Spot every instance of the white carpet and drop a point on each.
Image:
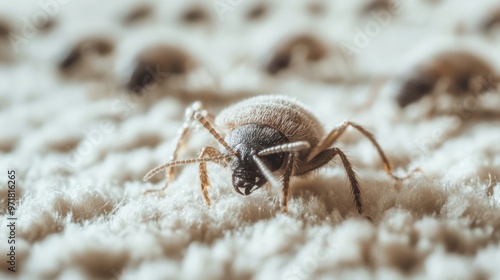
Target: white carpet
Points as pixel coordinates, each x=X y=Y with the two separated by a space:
x=80 y=146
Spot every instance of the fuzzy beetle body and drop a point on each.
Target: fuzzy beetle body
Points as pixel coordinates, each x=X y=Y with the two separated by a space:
x=265 y=138
x=261 y=123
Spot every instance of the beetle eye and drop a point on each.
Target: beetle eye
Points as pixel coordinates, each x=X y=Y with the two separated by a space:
x=274 y=161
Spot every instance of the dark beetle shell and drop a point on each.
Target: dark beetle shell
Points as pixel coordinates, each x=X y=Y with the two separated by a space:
x=257 y=12
x=314 y=51
x=5 y=29
x=158 y=63
x=137 y=14
x=49 y=25
x=195 y=14
x=6 y=54
x=377 y=5
x=99 y=46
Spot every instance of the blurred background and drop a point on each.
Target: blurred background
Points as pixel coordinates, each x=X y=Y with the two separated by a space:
x=92 y=94
x=68 y=66
x=231 y=47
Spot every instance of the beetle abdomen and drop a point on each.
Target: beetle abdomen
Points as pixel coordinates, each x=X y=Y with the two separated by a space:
x=287 y=115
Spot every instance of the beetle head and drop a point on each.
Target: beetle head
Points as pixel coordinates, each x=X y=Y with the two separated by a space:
x=246 y=175
x=248 y=141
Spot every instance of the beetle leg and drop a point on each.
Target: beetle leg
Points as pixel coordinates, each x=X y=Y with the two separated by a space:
x=286 y=180
x=196 y=107
x=337 y=132
x=205 y=182
x=214 y=156
x=326 y=156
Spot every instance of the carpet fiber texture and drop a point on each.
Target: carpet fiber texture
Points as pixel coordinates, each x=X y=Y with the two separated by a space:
x=80 y=144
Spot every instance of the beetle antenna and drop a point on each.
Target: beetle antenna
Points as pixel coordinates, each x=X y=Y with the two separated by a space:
x=160 y=168
x=266 y=172
x=206 y=124
x=288 y=147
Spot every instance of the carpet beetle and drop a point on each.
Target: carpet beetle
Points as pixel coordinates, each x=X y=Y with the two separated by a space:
x=455 y=72
x=157 y=64
x=266 y=138
x=304 y=47
x=87 y=55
